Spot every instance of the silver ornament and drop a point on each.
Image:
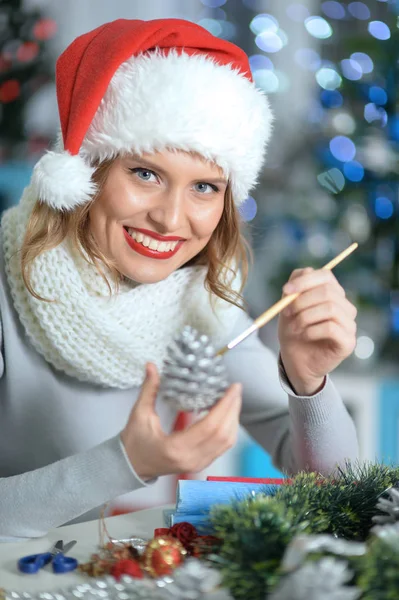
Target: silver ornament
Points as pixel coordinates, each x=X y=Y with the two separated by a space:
x=193 y=377
x=388 y=534
x=302 y=545
x=388 y=504
x=192 y=581
x=321 y=580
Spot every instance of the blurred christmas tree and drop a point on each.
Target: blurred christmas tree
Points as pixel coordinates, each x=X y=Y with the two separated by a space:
x=338 y=180
x=24 y=70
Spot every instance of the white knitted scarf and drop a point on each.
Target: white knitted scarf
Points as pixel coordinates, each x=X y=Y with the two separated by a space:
x=95 y=337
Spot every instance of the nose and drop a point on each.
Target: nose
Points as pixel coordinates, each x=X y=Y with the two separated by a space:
x=168 y=213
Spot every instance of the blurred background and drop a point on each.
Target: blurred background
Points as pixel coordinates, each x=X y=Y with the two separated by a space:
x=332 y=176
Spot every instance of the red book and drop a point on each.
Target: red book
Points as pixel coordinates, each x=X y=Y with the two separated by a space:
x=266 y=481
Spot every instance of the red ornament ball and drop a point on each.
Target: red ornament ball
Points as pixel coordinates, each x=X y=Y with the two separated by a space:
x=162 y=555
x=185 y=533
x=126 y=566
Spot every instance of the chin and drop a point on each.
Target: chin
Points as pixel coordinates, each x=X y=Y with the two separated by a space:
x=146 y=275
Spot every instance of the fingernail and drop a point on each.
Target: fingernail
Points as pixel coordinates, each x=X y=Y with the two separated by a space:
x=289 y=288
x=237 y=390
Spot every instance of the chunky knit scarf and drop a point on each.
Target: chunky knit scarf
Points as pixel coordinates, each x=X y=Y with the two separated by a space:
x=91 y=335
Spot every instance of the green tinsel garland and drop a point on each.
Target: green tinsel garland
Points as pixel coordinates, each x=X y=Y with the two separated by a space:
x=256 y=531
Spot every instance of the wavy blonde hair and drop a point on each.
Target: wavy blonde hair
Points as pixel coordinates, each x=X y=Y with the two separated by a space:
x=48 y=227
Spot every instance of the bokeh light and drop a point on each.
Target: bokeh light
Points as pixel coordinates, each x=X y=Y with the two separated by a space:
x=351 y=69
x=344 y=123
x=328 y=78
x=334 y=10
x=318 y=27
x=266 y=80
x=364 y=61
x=307 y=58
x=372 y=113
x=342 y=148
x=211 y=25
x=260 y=61
x=379 y=30
x=332 y=180
x=331 y=98
x=378 y=95
x=364 y=347
x=268 y=41
x=248 y=209
x=353 y=171
x=359 y=10
x=263 y=23
x=383 y=207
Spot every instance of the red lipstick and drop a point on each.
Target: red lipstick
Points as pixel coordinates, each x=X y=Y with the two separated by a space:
x=140 y=249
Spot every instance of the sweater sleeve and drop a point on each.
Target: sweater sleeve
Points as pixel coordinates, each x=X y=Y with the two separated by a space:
x=313 y=433
x=35 y=502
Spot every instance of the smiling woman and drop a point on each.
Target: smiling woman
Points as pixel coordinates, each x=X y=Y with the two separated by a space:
x=129 y=231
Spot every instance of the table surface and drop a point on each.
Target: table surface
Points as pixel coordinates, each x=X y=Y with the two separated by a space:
x=140 y=524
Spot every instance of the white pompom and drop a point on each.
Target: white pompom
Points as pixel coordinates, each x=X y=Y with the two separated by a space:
x=63 y=181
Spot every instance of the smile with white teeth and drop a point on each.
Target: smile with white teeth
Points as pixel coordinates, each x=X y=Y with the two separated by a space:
x=150 y=242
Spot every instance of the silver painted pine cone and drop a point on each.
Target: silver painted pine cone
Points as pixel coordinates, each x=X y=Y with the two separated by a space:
x=193 y=377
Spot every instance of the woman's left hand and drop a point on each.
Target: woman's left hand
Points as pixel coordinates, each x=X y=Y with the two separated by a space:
x=317 y=331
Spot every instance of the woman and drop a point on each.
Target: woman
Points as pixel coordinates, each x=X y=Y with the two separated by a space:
x=128 y=231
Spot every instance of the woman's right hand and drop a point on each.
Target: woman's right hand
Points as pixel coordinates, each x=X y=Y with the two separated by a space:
x=153 y=453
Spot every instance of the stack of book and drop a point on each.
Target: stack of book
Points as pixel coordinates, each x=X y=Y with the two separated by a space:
x=195 y=498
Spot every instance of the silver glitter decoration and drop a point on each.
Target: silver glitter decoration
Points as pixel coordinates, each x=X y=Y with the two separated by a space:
x=389 y=534
x=135 y=542
x=388 y=504
x=194 y=378
x=321 y=580
x=302 y=545
x=192 y=581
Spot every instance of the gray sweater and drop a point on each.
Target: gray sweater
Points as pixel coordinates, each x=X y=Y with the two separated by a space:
x=60 y=452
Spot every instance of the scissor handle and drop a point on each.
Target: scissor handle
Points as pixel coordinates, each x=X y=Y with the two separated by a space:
x=34 y=562
x=64 y=564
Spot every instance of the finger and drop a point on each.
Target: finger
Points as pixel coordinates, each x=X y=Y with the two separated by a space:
x=309 y=281
x=298 y=272
x=150 y=387
x=227 y=410
x=327 y=311
x=333 y=332
x=329 y=294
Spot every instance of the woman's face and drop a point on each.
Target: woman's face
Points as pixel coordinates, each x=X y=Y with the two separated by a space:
x=156 y=212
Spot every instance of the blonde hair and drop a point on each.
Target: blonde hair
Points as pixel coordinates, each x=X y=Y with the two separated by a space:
x=47 y=228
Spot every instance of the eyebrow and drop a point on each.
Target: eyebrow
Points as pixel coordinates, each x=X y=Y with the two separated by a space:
x=151 y=165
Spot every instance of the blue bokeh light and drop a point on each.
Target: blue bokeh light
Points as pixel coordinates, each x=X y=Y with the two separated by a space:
x=331 y=98
x=342 y=148
x=353 y=170
x=307 y=58
x=351 y=69
x=372 y=112
x=259 y=61
x=379 y=30
x=364 y=61
x=268 y=41
x=383 y=207
x=378 y=95
x=359 y=10
x=334 y=10
x=248 y=209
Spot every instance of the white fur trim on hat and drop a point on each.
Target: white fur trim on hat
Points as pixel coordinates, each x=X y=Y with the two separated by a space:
x=63 y=181
x=157 y=101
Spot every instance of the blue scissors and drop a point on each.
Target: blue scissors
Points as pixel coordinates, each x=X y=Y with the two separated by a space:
x=56 y=555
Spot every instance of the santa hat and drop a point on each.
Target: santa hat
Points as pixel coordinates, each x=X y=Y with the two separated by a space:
x=144 y=86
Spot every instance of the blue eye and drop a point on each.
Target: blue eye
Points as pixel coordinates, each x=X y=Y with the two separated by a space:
x=205 y=188
x=143 y=174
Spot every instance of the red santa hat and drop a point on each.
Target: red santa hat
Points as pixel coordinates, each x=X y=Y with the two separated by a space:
x=144 y=86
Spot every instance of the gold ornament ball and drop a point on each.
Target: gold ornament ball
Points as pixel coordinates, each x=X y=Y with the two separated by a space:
x=162 y=555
